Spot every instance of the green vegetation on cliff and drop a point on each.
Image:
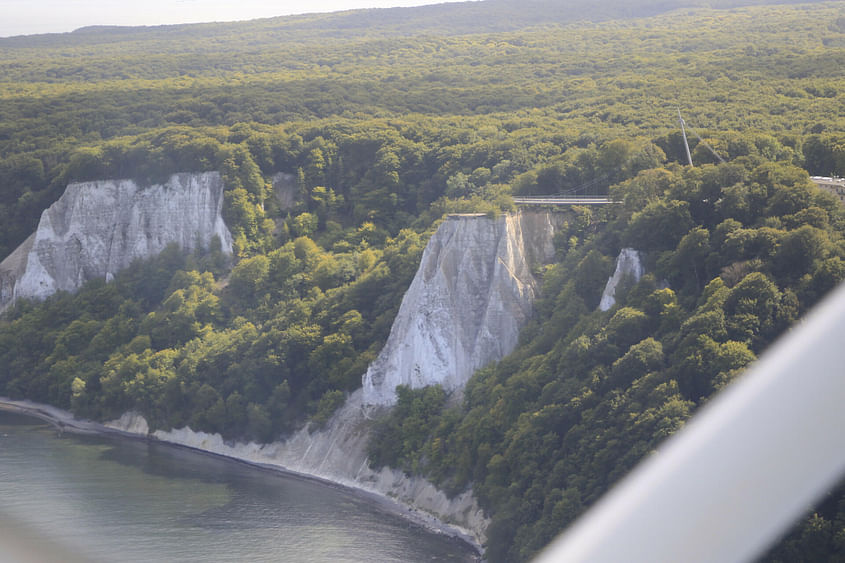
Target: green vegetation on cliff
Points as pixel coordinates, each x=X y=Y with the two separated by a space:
x=381 y=127
x=748 y=247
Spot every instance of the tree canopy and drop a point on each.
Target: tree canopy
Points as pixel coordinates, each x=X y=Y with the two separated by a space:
x=343 y=140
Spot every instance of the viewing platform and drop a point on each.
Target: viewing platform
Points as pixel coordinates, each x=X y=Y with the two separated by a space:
x=562 y=200
x=833 y=185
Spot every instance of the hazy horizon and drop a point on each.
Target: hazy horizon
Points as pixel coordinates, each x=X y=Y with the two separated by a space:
x=29 y=17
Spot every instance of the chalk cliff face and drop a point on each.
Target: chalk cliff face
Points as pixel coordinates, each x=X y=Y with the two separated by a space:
x=473 y=292
x=98 y=228
x=628 y=265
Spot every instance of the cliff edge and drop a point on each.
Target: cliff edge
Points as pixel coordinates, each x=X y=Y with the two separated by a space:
x=473 y=292
x=98 y=228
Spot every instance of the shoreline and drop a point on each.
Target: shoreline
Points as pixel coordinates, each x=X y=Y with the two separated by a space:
x=65 y=421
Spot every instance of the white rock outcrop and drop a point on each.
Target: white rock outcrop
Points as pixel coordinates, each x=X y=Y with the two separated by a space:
x=131 y=422
x=98 y=228
x=473 y=292
x=628 y=266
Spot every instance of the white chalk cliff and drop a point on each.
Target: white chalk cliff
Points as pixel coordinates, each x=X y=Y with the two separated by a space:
x=628 y=266
x=473 y=292
x=98 y=228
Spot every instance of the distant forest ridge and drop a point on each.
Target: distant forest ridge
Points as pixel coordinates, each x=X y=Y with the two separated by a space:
x=446 y=19
x=544 y=89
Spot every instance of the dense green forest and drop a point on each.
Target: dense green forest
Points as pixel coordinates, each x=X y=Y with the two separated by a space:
x=746 y=248
x=386 y=120
x=772 y=70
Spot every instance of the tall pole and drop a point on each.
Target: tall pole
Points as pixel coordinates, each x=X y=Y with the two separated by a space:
x=684 y=134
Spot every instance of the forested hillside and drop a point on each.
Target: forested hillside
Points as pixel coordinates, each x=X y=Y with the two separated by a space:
x=387 y=120
x=745 y=248
x=773 y=70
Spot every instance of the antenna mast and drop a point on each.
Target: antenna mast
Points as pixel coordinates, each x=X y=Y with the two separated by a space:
x=684 y=134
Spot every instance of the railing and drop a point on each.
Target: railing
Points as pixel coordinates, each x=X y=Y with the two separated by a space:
x=562 y=200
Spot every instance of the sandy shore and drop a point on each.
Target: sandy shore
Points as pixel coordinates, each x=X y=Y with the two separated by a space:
x=65 y=421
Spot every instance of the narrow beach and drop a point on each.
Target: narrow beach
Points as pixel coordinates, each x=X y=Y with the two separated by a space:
x=64 y=421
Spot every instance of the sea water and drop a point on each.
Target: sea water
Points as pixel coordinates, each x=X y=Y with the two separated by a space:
x=106 y=498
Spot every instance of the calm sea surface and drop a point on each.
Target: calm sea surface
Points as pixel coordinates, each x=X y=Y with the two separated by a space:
x=106 y=499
